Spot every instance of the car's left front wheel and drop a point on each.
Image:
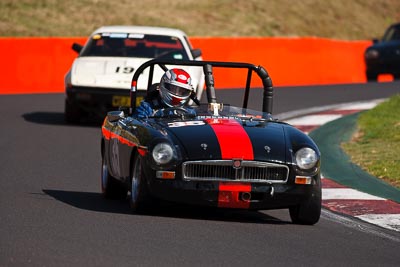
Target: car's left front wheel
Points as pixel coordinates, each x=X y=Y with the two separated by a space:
x=308 y=211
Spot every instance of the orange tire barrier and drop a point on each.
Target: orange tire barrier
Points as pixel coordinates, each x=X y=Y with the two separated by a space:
x=38 y=65
x=292 y=61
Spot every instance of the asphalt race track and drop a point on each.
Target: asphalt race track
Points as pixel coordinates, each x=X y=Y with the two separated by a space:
x=52 y=213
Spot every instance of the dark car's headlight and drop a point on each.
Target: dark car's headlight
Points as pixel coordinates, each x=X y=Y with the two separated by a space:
x=371 y=54
x=163 y=153
x=306 y=158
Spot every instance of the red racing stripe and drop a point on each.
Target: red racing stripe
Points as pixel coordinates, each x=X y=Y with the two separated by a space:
x=233 y=139
x=228 y=196
x=110 y=135
x=106 y=133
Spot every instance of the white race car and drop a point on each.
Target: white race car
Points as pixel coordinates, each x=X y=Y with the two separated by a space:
x=100 y=77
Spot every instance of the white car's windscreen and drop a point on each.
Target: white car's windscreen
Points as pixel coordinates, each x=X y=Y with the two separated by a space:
x=134 y=45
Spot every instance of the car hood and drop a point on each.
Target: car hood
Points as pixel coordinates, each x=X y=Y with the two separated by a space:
x=112 y=72
x=386 y=45
x=107 y=72
x=214 y=138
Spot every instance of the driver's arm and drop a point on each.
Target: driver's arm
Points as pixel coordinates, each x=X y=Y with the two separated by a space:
x=190 y=110
x=144 y=110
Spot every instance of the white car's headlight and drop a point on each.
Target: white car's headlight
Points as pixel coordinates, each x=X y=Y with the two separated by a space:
x=306 y=158
x=163 y=153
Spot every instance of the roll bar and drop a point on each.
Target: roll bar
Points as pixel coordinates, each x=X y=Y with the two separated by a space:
x=209 y=79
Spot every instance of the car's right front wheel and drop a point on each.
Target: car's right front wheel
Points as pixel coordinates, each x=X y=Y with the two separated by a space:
x=72 y=113
x=110 y=187
x=139 y=198
x=371 y=76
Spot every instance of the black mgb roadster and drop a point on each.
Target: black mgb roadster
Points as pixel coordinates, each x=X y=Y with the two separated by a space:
x=222 y=156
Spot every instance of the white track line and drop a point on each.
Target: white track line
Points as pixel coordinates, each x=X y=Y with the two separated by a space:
x=347 y=193
x=314 y=119
x=389 y=221
x=359 y=106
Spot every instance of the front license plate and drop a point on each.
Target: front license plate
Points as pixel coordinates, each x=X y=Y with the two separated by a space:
x=124 y=101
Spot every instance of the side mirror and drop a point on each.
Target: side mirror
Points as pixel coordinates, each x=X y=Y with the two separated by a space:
x=196 y=53
x=115 y=115
x=77 y=47
x=375 y=41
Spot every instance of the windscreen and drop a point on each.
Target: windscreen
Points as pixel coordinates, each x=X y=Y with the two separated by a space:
x=134 y=45
x=392 y=34
x=227 y=111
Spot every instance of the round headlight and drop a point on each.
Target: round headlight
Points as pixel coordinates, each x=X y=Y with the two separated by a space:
x=372 y=54
x=306 y=158
x=163 y=153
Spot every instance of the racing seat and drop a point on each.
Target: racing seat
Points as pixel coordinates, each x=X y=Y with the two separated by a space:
x=152 y=93
x=153 y=96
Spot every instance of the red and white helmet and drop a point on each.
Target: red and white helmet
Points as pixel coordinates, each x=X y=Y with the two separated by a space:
x=175 y=87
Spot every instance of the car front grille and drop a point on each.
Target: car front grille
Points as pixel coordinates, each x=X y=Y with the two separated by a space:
x=245 y=171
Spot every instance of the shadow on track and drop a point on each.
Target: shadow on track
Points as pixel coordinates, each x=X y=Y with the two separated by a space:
x=57 y=118
x=95 y=202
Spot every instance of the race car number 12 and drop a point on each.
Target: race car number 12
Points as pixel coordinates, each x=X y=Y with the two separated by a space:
x=125 y=70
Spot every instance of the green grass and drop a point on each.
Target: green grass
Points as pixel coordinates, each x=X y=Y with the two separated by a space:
x=339 y=19
x=375 y=146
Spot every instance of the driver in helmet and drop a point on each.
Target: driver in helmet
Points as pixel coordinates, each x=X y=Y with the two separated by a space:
x=174 y=91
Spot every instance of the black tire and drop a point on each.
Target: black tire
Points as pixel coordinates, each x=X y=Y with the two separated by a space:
x=139 y=198
x=72 y=114
x=308 y=211
x=110 y=187
x=371 y=76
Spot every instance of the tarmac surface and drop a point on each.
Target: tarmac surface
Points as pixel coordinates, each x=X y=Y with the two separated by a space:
x=347 y=189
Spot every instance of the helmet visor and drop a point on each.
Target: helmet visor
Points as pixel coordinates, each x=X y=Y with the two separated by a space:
x=176 y=90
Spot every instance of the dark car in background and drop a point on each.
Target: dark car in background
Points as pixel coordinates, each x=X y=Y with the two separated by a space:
x=383 y=57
